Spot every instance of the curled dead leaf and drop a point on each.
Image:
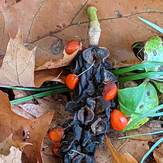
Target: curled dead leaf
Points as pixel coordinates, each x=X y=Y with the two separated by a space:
x=33 y=131
x=14 y=156
x=9 y=142
x=118 y=157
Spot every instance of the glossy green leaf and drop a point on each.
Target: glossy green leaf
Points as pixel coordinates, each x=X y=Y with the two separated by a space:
x=138 y=120
x=137 y=100
x=135 y=122
x=153 y=50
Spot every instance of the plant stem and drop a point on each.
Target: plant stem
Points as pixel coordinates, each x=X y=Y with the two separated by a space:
x=94 y=26
x=92 y=13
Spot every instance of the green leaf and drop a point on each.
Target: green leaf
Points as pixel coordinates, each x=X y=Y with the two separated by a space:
x=153 y=50
x=138 y=100
x=135 y=122
x=138 y=120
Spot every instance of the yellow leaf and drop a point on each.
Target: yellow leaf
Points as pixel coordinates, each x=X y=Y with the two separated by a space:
x=118 y=157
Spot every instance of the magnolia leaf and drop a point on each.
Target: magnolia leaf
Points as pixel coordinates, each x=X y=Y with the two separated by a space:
x=9 y=142
x=138 y=100
x=33 y=131
x=119 y=157
x=18 y=66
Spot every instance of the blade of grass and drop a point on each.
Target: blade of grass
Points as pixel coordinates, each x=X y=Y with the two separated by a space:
x=157 y=143
x=141 y=66
x=145 y=134
x=34 y=89
x=38 y=95
x=158 y=76
x=156 y=27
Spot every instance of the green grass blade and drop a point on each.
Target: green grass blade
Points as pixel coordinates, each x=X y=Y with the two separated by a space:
x=145 y=134
x=156 y=27
x=141 y=66
x=35 y=89
x=158 y=76
x=38 y=95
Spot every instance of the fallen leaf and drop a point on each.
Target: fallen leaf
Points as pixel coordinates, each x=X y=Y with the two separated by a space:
x=30 y=17
x=9 y=142
x=158 y=154
x=18 y=66
x=33 y=131
x=14 y=156
x=13 y=16
x=118 y=157
x=46 y=58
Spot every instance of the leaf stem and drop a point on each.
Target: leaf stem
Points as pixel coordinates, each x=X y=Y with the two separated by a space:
x=92 y=13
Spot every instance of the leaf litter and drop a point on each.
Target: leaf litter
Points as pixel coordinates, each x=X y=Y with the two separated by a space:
x=12 y=123
x=46 y=66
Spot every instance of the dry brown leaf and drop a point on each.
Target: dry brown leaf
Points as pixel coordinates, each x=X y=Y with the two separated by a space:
x=158 y=154
x=18 y=66
x=118 y=157
x=33 y=130
x=14 y=156
x=45 y=59
x=18 y=15
x=36 y=19
x=9 y=142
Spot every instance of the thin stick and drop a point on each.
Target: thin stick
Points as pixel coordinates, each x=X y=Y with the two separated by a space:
x=86 y=69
